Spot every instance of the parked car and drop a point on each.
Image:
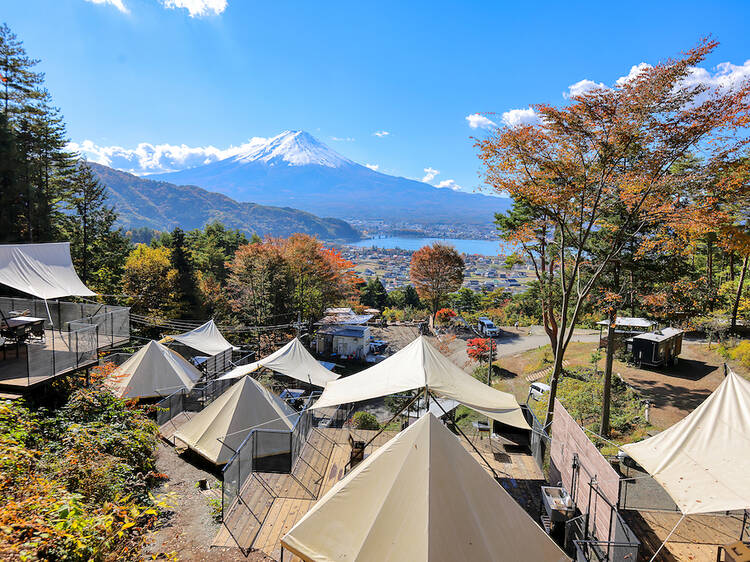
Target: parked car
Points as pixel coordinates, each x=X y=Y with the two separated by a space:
x=487 y=327
x=538 y=389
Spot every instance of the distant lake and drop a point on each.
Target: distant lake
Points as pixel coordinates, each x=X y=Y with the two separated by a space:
x=481 y=247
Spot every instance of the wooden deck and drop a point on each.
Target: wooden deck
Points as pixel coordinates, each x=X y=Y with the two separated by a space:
x=272 y=503
x=19 y=372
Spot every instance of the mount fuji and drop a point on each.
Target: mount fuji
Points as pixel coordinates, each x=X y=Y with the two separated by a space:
x=294 y=169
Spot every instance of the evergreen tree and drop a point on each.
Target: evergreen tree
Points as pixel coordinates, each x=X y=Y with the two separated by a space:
x=10 y=196
x=373 y=294
x=186 y=284
x=98 y=249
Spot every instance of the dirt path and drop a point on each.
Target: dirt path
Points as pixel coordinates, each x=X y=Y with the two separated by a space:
x=189 y=528
x=677 y=391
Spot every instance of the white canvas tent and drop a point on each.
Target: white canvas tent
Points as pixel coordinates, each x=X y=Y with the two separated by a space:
x=703 y=461
x=205 y=338
x=420 y=365
x=217 y=431
x=43 y=270
x=154 y=370
x=419 y=497
x=292 y=360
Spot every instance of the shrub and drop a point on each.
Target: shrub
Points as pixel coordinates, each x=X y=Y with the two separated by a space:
x=739 y=353
x=365 y=420
x=445 y=315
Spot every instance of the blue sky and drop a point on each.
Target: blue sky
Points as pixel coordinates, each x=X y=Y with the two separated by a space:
x=215 y=73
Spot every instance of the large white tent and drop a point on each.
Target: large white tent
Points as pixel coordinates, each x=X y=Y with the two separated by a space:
x=217 y=431
x=205 y=338
x=154 y=370
x=43 y=270
x=420 y=365
x=419 y=497
x=703 y=461
x=292 y=360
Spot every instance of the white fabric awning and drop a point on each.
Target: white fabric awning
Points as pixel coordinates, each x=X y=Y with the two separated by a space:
x=154 y=370
x=416 y=366
x=206 y=339
x=43 y=270
x=292 y=360
x=703 y=461
x=420 y=497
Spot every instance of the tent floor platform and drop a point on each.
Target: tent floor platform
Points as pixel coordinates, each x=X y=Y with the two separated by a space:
x=278 y=501
x=20 y=371
x=697 y=538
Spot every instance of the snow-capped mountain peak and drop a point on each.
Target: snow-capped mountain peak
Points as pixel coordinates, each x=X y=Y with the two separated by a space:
x=294 y=148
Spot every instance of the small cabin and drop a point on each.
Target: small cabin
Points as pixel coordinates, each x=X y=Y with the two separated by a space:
x=625 y=328
x=657 y=349
x=347 y=342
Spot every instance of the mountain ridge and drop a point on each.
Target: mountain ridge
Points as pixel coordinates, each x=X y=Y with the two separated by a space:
x=161 y=205
x=294 y=168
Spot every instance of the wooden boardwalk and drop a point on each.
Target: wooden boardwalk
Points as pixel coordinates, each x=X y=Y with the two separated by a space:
x=271 y=504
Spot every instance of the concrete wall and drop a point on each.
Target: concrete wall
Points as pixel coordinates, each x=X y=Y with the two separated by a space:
x=569 y=439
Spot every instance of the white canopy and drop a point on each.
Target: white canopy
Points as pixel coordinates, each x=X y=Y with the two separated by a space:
x=292 y=360
x=154 y=370
x=419 y=497
x=420 y=365
x=242 y=407
x=42 y=270
x=703 y=461
x=206 y=339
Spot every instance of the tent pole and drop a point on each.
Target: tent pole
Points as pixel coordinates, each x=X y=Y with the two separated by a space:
x=470 y=443
x=49 y=315
x=409 y=403
x=666 y=539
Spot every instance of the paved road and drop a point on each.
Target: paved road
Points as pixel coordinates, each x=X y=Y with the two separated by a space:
x=516 y=340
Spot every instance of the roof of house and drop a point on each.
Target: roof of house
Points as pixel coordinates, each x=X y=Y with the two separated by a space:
x=626 y=322
x=345 y=331
x=662 y=335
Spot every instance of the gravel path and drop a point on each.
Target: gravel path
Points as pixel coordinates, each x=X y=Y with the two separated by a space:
x=189 y=528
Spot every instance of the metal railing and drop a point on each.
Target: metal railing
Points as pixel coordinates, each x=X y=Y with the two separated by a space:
x=71 y=337
x=266 y=450
x=194 y=400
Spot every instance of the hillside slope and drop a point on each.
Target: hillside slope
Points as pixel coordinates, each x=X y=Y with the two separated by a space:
x=163 y=206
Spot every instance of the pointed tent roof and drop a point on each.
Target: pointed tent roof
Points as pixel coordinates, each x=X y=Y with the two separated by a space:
x=205 y=338
x=418 y=365
x=244 y=406
x=421 y=496
x=703 y=461
x=292 y=360
x=154 y=370
x=42 y=270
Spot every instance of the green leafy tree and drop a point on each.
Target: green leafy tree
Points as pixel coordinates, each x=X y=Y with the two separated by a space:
x=151 y=281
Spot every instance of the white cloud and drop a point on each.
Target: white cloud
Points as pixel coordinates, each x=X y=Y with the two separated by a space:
x=429 y=174
x=381 y=133
x=116 y=3
x=148 y=158
x=343 y=139
x=197 y=8
x=477 y=121
x=373 y=167
x=516 y=117
x=727 y=77
x=582 y=87
x=450 y=184
x=635 y=70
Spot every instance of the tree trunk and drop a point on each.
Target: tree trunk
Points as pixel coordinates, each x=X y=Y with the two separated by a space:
x=607 y=385
x=556 y=372
x=738 y=296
